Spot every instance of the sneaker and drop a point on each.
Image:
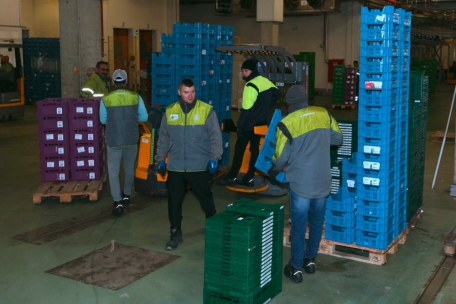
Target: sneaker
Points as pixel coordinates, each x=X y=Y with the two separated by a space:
x=309 y=265
x=295 y=275
x=227 y=181
x=246 y=181
x=118 y=209
x=125 y=199
x=174 y=240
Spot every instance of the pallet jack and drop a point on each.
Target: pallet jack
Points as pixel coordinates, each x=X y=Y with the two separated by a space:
x=282 y=69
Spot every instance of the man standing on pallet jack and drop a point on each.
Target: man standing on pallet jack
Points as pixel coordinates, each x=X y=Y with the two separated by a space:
x=120 y=111
x=258 y=97
x=303 y=143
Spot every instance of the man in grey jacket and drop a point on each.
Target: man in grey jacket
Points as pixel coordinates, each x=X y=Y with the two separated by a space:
x=303 y=143
x=190 y=136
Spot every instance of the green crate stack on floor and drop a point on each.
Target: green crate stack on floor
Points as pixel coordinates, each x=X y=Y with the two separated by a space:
x=418 y=106
x=243 y=253
x=430 y=69
x=310 y=58
x=338 y=85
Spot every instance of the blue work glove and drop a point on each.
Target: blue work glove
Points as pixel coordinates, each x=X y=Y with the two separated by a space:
x=161 y=167
x=212 y=166
x=276 y=174
x=281 y=177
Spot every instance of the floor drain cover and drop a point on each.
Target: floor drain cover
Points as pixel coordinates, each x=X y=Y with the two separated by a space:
x=114 y=266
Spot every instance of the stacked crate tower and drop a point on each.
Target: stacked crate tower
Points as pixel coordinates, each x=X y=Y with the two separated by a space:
x=338 y=85
x=243 y=253
x=189 y=52
x=383 y=126
x=351 y=86
x=71 y=140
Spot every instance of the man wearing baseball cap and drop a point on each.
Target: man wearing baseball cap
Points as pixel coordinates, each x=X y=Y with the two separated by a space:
x=120 y=111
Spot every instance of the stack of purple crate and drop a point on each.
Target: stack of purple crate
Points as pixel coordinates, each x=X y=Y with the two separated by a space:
x=54 y=139
x=351 y=86
x=87 y=146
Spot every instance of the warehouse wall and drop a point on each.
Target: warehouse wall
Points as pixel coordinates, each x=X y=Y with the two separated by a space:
x=10 y=13
x=40 y=17
x=297 y=34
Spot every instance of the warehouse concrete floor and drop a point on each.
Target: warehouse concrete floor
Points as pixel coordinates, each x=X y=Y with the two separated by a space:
x=23 y=276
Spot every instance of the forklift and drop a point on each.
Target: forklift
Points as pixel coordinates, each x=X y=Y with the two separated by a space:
x=12 y=93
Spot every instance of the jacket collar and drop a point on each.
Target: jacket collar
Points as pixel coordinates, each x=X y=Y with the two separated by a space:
x=251 y=76
x=187 y=107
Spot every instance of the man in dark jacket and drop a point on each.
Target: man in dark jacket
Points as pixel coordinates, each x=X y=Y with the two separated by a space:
x=190 y=136
x=303 y=143
x=258 y=97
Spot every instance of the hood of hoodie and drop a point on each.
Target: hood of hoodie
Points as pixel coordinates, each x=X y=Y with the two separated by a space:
x=251 y=76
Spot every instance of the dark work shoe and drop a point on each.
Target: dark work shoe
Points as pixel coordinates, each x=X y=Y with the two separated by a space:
x=246 y=181
x=309 y=265
x=174 y=240
x=118 y=209
x=227 y=181
x=125 y=199
x=295 y=275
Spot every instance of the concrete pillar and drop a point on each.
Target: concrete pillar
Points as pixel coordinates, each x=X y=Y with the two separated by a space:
x=270 y=33
x=80 y=42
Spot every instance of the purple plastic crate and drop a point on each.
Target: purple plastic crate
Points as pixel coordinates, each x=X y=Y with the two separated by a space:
x=79 y=122
x=87 y=135
x=87 y=161
x=83 y=174
x=53 y=136
x=88 y=107
x=52 y=122
x=54 y=149
x=86 y=148
x=54 y=162
x=55 y=175
x=53 y=107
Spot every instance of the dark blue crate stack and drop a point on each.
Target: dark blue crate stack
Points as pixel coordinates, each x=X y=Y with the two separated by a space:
x=189 y=52
x=243 y=253
x=87 y=145
x=53 y=139
x=382 y=150
x=42 y=76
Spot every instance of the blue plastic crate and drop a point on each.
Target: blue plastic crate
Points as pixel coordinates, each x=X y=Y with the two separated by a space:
x=376 y=146
x=344 y=200
x=376 y=51
x=384 y=81
x=377 y=130
x=189 y=59
x=264 y=161
x=385 y=113
x=376 y=209
x=187 y=28
x=163 y=80
x=374 y=239
x=369 y=164
x=385 y=16
x=370 y=33
x=374 y=223
x=340 y=218
x=349 y=165
x=378 y=98
x=340 y=234
x=375 y=193
x=372 y=65
x=163 y=89
x=163 y=58
x=382 y=177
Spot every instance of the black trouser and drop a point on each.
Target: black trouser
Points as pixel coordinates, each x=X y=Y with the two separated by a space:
x=243 y=139
x=176 y=184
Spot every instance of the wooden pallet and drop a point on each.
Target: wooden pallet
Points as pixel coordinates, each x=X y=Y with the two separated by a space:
x=449 y=245
x=343 y=106
x=65 y=191
x=439 y=135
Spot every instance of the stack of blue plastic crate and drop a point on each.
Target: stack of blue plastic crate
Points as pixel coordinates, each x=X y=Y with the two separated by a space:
x=42 y=76
x=382 y=151
x=189 y=52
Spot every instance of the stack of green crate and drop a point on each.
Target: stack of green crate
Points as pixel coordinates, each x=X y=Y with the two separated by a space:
x=430 y=69
x=418 y=105
x=349 y=129
x=243 y=253
x=338 y=85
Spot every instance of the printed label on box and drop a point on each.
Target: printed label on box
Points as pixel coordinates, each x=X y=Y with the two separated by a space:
x=90 y=136
x=50 y=165
x=371 y=181
x=91 y=150
x=61 y=150
x=78 y=136
x=49 y=136
x=61 y=163
x=89 y=123
x=60 y=124
x=60 y=137
x=350 y=183
x=371 y=165
x=79 y=110
x=61 y=176
x=91 y=162
x=80 y=163
x=203 y=52
x=92 y=175
x=89 y=110
x=59 y=110
x=372 y=149
x=373 y=84
x=81 y=149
